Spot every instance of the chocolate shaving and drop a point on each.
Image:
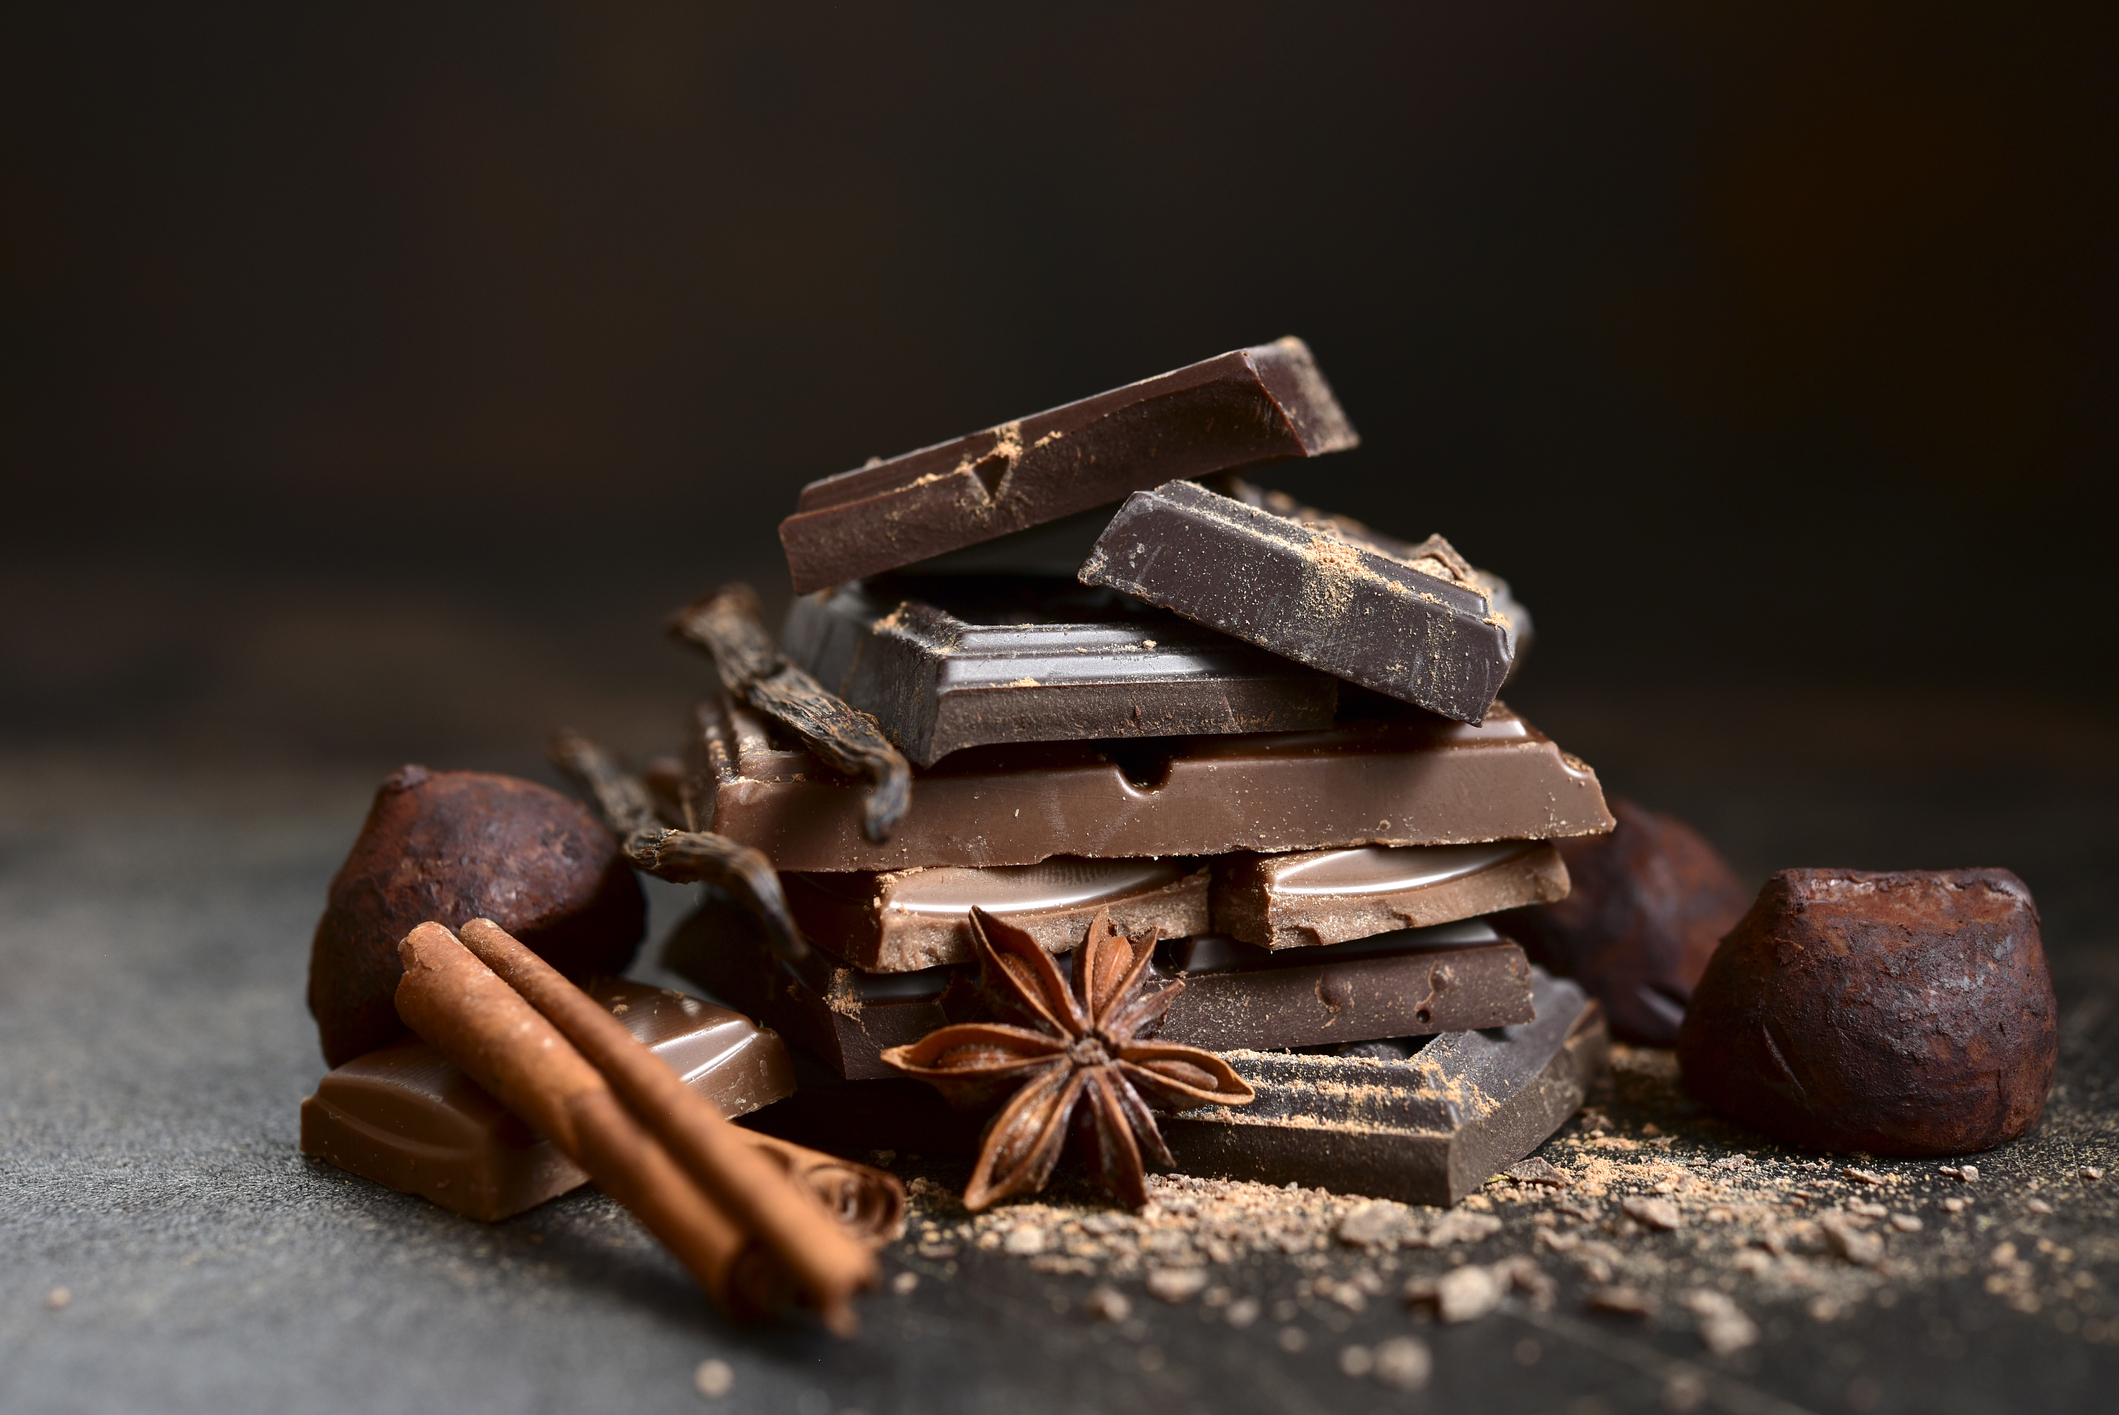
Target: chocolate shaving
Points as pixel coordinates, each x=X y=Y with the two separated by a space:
x=679 y=856
x=729 y=625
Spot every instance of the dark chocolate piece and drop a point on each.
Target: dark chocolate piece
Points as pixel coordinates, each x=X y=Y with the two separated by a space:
x=1411 y=780
x=452 y=846
x=1425 y=1122
x=730 y=626
x=952 y=661
x=1649 y=903
x=1904 y=1013
x=1260 y=404
x=904 y=920
x=406 y=1117
x=1456 y=976
x=1317 y=897
x=679 y=856
x=1420 y=625
x=1347 y=528
x=1427 y=1129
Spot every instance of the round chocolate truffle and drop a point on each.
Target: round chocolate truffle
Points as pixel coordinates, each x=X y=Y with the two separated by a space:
x=1907 y=1013
x=453 y=846
x=1648 y=902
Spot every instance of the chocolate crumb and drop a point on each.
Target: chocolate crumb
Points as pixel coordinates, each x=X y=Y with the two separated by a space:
x=1536 y=1171
x=1402 y=1363
x=1108 y=1304
x=1655 y=1213
x=1625 y=1301
x=713 y=1378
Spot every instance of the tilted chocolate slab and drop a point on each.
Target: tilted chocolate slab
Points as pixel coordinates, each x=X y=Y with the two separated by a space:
x=903 y=920
x=1412 y=780
x=1425 y=1129
x=1315 y=897
x=1346 y=527
x=406 y=1117
x=1420 y=627
x=951 y=661
x=1261 y=404
x=1461 y=975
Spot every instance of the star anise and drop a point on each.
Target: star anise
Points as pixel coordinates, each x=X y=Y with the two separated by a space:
x=1077 y=1058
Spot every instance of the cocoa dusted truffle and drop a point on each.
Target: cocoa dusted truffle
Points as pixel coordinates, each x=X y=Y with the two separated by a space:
x=1907 y=1013
x=453 y=846
x=1648 y=904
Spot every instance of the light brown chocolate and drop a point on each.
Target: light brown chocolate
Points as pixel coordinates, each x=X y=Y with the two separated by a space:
x=1317 y=897
x=899 y=921
x=1408 y=779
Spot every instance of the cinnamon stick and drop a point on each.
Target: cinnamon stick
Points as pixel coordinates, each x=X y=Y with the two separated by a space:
x=868 y=1202
x=464 y=1010
x=827 y=1264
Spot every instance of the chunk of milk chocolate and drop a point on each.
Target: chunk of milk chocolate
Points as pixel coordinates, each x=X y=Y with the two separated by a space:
x=1314 y=897
x=406 y=1117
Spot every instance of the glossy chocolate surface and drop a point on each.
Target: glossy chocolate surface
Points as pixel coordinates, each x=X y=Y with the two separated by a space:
x=1414 y=779
x=952 y=661
x=1318 y=897
x=904 y=920
x=1260 y=404
x=1419 y=626
x=406 y=1117
x=1456 y=976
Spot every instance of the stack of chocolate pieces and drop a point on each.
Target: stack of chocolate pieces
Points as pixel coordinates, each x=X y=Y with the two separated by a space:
x=1267 y=734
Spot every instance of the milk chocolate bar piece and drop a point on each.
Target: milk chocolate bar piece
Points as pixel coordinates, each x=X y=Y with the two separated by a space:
x=1420 y=626
x=1328 y=896
x=951 y=661
x=1261 y=404
x=1425 y=1127
x=902 y=920
x=1460 y=975
x=1410 y=780
x=405 y=1116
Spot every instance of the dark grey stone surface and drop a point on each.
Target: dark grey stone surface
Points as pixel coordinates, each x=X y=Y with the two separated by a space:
x=156 y=900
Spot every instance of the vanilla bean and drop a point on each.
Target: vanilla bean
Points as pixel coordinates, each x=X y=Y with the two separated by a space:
x=679 y=856
x=729 y=625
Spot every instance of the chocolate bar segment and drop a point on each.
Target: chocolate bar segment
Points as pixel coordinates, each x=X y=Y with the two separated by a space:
x=1347 y=528
x=1410 y=780
x=406 y=1117
x=1423 y=1121
x=903 y=920
x=1426 y=1127
x=951 y=661
x=1261 y=404
x=1460 y=975
x=1419 y=626
x=1317 y=897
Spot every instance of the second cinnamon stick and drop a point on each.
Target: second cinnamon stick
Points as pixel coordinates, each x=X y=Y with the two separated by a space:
x=461 y=1007
x=826 y=1263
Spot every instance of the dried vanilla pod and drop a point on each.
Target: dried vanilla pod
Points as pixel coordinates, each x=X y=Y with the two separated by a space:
x=679 y=856
x=730 y=626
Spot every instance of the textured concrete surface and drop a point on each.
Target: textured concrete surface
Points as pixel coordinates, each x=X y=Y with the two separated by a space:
x=154 y=922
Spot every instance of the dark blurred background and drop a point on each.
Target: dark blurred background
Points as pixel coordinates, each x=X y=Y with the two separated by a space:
x=365 y=354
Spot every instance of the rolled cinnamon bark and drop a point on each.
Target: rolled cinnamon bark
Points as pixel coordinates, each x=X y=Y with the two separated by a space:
x=868 y=1202
x=466 y=1012
x=827 y=1264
